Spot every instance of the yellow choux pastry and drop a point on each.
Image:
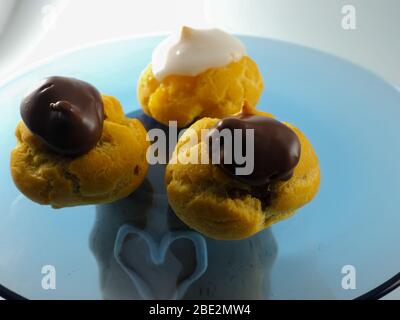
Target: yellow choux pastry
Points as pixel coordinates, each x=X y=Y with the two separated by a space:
x=210 y=77
x=210 y=199
x=61 y=164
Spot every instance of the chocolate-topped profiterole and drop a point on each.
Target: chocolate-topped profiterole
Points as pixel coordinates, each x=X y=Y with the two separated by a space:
x=66 y=113
x=215 y=199
x=276 y=148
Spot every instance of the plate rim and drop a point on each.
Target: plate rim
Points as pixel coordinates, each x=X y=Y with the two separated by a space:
x=40 y=63
x=374 y=294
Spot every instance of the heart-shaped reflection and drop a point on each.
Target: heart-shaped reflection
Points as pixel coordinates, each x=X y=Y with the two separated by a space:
x=154 y=269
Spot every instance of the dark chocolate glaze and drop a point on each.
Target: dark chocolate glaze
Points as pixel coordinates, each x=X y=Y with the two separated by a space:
x=66 y=113
x=276 y=149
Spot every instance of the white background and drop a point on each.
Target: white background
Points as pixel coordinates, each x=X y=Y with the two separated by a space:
x=374 y=44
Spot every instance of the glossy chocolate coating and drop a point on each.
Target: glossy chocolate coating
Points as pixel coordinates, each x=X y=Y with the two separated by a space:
x=66 y=113
x=276 y=149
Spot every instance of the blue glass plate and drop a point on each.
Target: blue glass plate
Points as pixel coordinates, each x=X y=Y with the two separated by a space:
x=342 y=245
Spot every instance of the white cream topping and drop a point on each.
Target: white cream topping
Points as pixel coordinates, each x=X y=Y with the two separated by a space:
x=191 y=52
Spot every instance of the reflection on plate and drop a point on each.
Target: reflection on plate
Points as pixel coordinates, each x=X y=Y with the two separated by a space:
x=155 y=256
